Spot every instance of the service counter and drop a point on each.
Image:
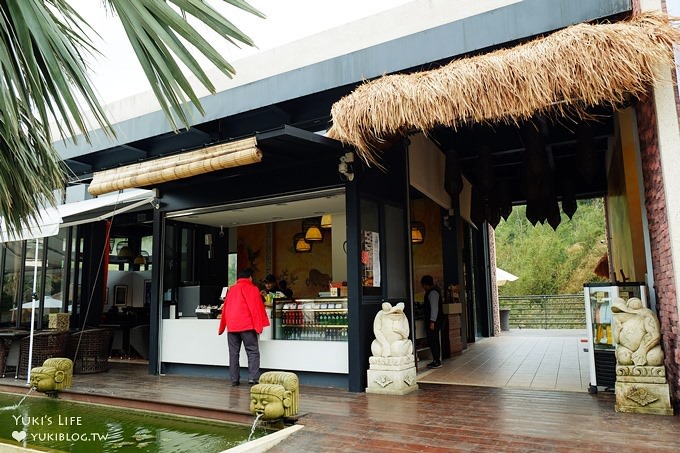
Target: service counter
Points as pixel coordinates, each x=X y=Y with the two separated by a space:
x=194 y=341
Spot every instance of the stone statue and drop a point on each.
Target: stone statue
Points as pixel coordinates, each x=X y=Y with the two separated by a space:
x=277 y=395
x=391 y=331
x=392 y=367
x=637 y=334
x=54 y=375
x=641 y=385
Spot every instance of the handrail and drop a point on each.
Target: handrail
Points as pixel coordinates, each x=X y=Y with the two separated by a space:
x=545 y=311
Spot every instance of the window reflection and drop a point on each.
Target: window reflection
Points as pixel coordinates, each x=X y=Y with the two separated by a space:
x=32 y=281
x=10 y=279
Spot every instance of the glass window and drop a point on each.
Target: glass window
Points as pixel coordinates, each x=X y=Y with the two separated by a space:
x=32 y=281
x=231 y=268
x=55 y=281
x=10 y=283
x=76 y=273
x=145 y=251
x=186 y=247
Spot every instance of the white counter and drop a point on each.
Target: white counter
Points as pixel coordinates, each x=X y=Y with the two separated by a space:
x=195 y=341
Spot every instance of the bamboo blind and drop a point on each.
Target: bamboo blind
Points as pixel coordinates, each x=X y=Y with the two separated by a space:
x=170 y=168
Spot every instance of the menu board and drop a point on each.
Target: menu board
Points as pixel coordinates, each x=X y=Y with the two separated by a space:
x=370 y=259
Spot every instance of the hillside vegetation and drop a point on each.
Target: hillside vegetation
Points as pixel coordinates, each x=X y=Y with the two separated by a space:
x=551 y=261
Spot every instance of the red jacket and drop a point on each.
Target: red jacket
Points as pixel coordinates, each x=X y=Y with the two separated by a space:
x=243 y=309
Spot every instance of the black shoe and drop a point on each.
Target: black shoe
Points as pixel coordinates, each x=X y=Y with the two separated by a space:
x=431 y=364
x=436 y=364
x=253 y=381
x=235 y=383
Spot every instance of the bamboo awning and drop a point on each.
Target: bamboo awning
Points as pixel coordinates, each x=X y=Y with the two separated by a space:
x=170 y=168
x=564 y=74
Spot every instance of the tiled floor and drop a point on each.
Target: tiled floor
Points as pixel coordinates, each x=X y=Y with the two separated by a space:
x=520 y=358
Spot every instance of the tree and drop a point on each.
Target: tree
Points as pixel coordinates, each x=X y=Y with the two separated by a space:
x=45 y=83
x=551 y=261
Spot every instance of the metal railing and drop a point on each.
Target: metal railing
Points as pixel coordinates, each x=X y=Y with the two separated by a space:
x=562 y=311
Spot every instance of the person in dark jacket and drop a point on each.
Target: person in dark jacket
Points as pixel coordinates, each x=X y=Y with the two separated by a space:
x=244 y=318
x=432 y=305
x=283 y=287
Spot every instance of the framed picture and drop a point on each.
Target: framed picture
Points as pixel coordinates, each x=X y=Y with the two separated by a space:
x=120 y=294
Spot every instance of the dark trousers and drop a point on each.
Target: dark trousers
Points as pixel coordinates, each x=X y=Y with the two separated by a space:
x=249 y=340
x=433 y=341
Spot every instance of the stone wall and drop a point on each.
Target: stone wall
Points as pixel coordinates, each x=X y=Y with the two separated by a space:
x=662 y=262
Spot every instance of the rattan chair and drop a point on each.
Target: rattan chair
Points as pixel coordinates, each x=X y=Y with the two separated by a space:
x=46 y=344
x=89 y=349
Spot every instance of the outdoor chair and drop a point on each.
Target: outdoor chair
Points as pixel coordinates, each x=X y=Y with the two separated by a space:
x=46 y=344
x=89 y=349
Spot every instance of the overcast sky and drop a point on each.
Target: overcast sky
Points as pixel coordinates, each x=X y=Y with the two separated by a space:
x=117 y=75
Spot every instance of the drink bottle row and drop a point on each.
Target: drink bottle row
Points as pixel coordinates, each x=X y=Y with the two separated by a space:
x=315 y=333
x=319 y=318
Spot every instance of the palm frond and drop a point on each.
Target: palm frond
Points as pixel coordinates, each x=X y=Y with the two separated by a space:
x=158 y=32
x=44 y=84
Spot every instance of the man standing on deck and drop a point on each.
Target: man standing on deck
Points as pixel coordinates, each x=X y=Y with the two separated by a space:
x=244 y=317
x=432 y=305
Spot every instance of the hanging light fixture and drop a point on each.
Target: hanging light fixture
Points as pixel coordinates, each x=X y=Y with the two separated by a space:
x=312 y=230
x=300 y=245
x=417 y=232
x=326 y=221
x=417 y=228
x=142 y=259
x=124 y=252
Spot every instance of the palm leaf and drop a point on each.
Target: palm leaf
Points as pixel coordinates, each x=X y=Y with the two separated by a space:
x=44 y=86
x=158 y=32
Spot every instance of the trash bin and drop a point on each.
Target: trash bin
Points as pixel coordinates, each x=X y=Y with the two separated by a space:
x=505 y=319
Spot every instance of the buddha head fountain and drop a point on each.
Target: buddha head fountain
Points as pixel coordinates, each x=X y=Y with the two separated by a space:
x=54 y=375
x=276 y=396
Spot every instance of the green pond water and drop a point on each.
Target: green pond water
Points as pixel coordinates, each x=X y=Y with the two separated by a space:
x=51 y=424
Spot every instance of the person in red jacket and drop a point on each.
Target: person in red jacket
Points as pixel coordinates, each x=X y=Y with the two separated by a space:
x=244 y=317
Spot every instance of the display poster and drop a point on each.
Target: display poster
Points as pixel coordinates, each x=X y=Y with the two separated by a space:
x=370 y=258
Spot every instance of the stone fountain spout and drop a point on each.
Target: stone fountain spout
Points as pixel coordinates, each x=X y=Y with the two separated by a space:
x=55 y=375
x=276 y=396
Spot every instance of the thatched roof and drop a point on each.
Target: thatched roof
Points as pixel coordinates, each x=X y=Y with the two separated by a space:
x=565 y=73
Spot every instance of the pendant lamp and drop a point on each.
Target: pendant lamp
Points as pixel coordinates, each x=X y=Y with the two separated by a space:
x=326 y=221
x=300 y=245
x=312 y=230
x=124 y=251
x=417 y=232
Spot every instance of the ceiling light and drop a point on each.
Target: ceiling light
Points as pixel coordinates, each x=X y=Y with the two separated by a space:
x=417 y=232
x=300 y=245
x=142 y=258
x=326 y=221
x=312 y=230
x=125 y=252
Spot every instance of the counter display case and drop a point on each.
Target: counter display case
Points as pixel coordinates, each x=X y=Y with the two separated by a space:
x=598 y=302
x=322 y=319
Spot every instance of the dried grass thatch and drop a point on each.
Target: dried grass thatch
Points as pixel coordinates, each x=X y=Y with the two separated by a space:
x=564 y=73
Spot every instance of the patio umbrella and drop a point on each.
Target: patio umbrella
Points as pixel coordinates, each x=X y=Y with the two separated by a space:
x=502 y=277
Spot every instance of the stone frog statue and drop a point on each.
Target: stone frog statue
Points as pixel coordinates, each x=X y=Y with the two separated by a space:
x=54 y=375
x=391 y=331
x=636 y=333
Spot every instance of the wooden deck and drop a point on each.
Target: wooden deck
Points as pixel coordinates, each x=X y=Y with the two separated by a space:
x=438 y=417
